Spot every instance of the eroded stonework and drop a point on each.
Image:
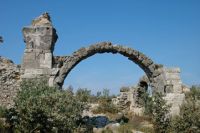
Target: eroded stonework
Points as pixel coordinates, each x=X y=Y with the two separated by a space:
x=129 y=97
x=40 y=39
x=9 y=81
x=144 y=62
x=39 y=62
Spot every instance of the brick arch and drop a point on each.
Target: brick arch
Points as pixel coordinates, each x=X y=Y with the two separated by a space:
x=144 y=62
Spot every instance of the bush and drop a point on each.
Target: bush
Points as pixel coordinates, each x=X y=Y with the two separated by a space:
x=142 y=97
x=160 y=114
x=105 y=103
x=106 y=106
x=4 y=128
x=157 y=108
x=2 y=111
x=194 y=94
x=189 y=119
x=124 y=89
x=124 y=129
x=147 y=102
x=39 y=107
x=83 y=95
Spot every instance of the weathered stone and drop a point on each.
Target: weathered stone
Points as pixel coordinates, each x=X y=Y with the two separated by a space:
x=185 y=89
x=129 y=98
x=171 y=90
x=104 y=47
x=40 y=38
x=44 y=19
x=147 y=62
x=9 y=81
x=152 y=67
x=175 y=100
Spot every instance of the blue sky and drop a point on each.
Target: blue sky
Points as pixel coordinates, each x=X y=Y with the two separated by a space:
x=166 y=31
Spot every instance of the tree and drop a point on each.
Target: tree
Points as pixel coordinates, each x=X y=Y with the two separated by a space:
x=105 y=93
x=70 y=89
x=40 y=108
x=160 y=114
x=158 y=110
x=98 y=94
x=1 y=39
x=148 y=104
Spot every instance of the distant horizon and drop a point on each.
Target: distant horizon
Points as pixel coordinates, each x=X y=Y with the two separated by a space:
x=166 y=31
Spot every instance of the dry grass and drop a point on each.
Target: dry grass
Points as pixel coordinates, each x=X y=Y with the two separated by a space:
x=137 y=123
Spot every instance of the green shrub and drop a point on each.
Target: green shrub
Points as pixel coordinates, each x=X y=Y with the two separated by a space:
x=189 y=119
x=124 y=129
x=158 y=110
x=3 y=127
x=142 y=97
x=105 y=93
x=105 y=106
x=124 y=89
x=194 y=94
x=160 y=114
x=39 y=107
x=83 y=95
x=147 y=102
x=105 y=103
x=2 y=111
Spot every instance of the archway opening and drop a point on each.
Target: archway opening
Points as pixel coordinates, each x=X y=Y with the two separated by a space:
x=104 y=71
x=145 y=63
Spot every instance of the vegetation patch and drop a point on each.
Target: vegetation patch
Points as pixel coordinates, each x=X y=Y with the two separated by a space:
x=40 y=108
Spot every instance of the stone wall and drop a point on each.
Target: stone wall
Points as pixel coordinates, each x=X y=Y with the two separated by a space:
x=175 y=100
x=129 y=98
x=173 y=88
x=170 y=80
x=173 y=92
x=9 y=81
x=127 y=101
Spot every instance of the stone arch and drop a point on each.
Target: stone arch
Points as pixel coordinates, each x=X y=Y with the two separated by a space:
x=144 y=62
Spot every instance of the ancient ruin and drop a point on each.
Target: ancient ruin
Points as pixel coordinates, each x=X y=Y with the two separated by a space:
x=9 y=81
x=38 y=62
x=129 y=97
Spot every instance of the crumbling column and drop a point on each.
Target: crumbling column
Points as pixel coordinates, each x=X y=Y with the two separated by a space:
x=40 y=39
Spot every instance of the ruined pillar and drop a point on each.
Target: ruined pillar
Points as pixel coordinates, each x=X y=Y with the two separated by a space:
x=40 y=38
